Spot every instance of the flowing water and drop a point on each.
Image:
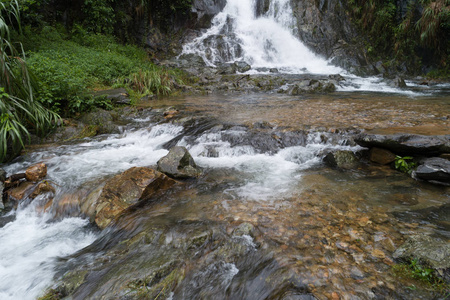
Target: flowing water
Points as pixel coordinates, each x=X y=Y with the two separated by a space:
x=315 y=231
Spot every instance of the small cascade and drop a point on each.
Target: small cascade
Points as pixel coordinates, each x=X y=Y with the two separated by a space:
x=264 y=41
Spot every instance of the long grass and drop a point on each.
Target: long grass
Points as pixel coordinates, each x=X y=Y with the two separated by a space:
x=19 y=111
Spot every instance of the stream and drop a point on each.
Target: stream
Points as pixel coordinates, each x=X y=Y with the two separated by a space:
x=266 y=219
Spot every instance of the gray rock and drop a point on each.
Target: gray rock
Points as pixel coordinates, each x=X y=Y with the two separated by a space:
x=434 y=169
x=101 y=118
x=432 y=252
x=226 y=69
x=406 y=144
x=117 y=96
x=342 y=159
x=397 y=82
x=205 y=10
x=242 y=66
x=2 y=175
x=178 y=164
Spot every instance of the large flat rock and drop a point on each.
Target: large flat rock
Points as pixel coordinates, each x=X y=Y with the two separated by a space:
x=407 y=144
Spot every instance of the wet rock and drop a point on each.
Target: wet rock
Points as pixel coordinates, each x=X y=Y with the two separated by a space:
x=20 y=192
x=42 y=188
x=178 y=164
x=406 y=144
x=242 y=66
x=445 y=156
x=342 y=160
x=273 y=70
x=381 y=156
x=397 y=82
x=36 y=172
x=205 y=10
x=312 y=86
x=244 y=229
x=434 y=169
x=430 y=251
x=102 y=120
x=117 y=96
x=226 y=68
x=123 y=191
x=2 y=175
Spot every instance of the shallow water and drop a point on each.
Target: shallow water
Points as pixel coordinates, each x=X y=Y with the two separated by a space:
x=329 y=231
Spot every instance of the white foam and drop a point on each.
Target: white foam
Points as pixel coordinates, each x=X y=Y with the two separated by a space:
x=30 y=247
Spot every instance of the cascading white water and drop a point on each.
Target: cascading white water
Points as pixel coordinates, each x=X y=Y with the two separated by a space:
x=269 y=41
x=32 y=243
x=266 y=41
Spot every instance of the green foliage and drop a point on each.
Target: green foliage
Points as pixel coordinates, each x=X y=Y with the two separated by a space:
x=19 y=111
x=422 y=275
x=403 y=164
x=99 y=16
x=423 y=33
x=69 y=69
x=152 y=81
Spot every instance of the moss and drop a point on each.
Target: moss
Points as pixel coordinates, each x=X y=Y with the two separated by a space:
x=415 y=275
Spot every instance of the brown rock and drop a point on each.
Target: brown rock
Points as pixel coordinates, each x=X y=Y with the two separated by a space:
x=19 y=192
x=381 y=156
x=36 y=172
x=445 y=156
x=125 y=190
x=41 y=188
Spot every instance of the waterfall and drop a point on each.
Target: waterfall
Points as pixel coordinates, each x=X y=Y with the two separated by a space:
x=264 y=41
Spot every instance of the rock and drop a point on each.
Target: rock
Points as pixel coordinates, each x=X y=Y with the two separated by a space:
x=406 y=144
x=178 y=164
x=445 y=156
x=2 y=175
x=226 y=68
x=117 y=96
x=244 y=229
x=273 y=70
x=20 y=192
x=342 y=159
x=41 y=188
x=102 y=120
x=242 y=66
x=36 y=172
x=206 y=10
x=381 y=156
x=398 y=82
x=434 y=169
x=312 y=86
x=125 y=190
x=430 y=251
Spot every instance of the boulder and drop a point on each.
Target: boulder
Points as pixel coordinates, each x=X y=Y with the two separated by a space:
x=36 y=172
x=178 y=164
x=430 y=251
x=123 y=191
x=381 y=156
x=42 y=188
x=19 y=192
x=205 y=10
x=406 y=144
x=102 y=120
x=397 y=82
x=242 y=66
x=312 y=86
x=117 y=96
x=434 y=169
x=342 y=159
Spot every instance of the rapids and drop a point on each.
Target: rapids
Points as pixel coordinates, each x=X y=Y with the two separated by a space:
x=267 y=219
